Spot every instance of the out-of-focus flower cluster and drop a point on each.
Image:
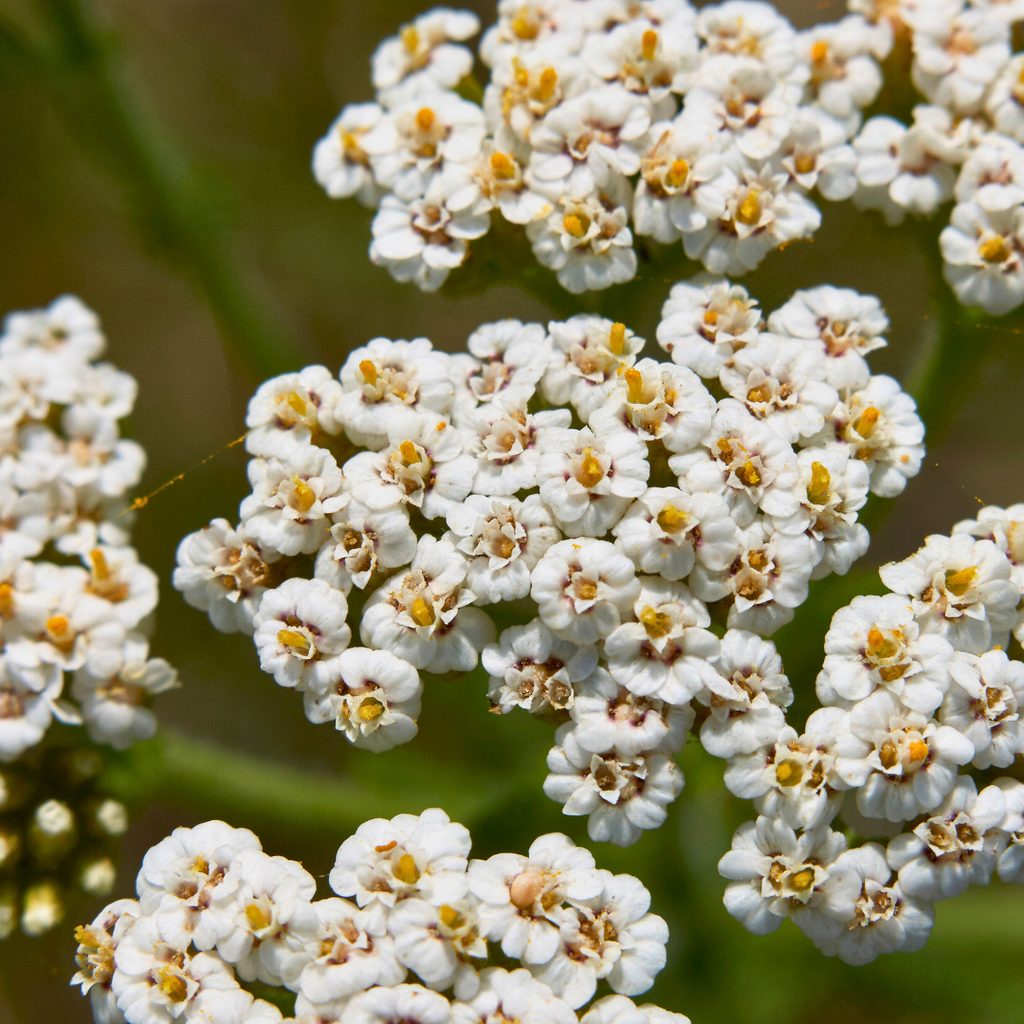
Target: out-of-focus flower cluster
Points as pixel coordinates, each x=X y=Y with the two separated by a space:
x=602 y=506
x=413 y=919
x=83 y=615
x=922 y=709
x=58 y=834
x=611 y=119
x=600 y=121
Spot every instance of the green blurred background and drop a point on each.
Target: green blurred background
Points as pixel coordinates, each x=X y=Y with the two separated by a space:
x=231 y=95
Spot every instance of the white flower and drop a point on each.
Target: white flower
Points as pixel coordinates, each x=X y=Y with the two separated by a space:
x=847 y=324
x=960 y=588
x=984 y=703
x=300 y=632
x=588 y=354
x=582 y=588
x=834 y=489
x=747 y=696
x=767 y=582
x=224 y=573
x=424 y=132
x=957 y=846
x=402 y=1004
x=609 y=717
x=774 y=873
x=956 y=56
x=112 y=704
x=704 y=320
x=622 y=795
x=621 y=1010
x=881 y=426
x=983 y=250
x=587 y=240
x=992 y=175
x=188 y=882
x=610 y=937
x=375 y=701
x=794 y=778
x=436 y=942
x=423 y=239
x=745 y=461
x=863 y=915
x=504 y=539
x=423 y=466
x=421 y=615
x=657 y=402
x=751 y=28
x=512 y=995
x=1005 y=528
x=844 y=76
x=666 y=529
x=585 y=141
x=292 y=410
x=343 y=953
x=26 y=711
x=292 y=499
x=410 y=855
x=587 y=477
x=876 y=642
x=903 y=763
x=495 y=179
x=423 y=51
x=666 y=653
x=363 y=543
x=1011 y=860
x=340 y=164
x=534 y=670
x=385 y=382
x=1004 y=102
x=65 y=332
x=97 y=943
x=523 y=898
x=513 y=357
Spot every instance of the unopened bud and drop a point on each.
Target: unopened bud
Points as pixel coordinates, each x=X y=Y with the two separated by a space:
x=98 y=876
x=43 y=908
x=112 y=817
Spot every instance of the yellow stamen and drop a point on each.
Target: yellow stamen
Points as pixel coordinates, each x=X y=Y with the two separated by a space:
x=303 y=497
x=677 y=174
x=369 y=371
x=749 y=212
x=672 y=519
x=574 y=226
x=425 y=118
x=918 y=751
x=255 y=916
x=421 y=612
x=6 y=601
x=958 y=583
x=294 y=640
x=711 y=318
x=888 y=754
x=546 y=85
x=99 y=564
x=371 y=709
x=450 y=917
x=761 y=393
x=819 y=51
x=805 y=164
x=405 y=870
x=408 y=452
x=524 y=29
x=649 y=44
x=789 y=773
x=748 y=475
x=57 y=625
x=173 y=986
x=819 y=489
x=296 y=403
x=802 y=880
x=502 y=167
x=634 y=386
x=590 y=472
x=657 y=624
x=994 y=250
x=867 y=421
x=410 y=38
x=617 y=338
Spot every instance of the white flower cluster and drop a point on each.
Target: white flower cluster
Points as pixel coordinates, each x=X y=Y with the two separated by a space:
x=918 y=691
x=555 y=479
x=604 y=120
x=64 y=474
x=966 y=143
x=214 y=910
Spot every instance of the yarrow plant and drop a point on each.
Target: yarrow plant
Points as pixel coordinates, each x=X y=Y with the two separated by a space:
x=922 y=710
x=599 y=509
x=609 y=120
x=76 y=603
x=407 y=938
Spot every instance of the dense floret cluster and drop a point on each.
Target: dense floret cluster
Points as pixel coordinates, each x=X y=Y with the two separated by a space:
x=83 y=615
x=922 y=708
x=600 y=508
x=611 y=119
x=413 y=919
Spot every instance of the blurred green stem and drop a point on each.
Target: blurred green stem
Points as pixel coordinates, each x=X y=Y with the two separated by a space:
x=173 y=207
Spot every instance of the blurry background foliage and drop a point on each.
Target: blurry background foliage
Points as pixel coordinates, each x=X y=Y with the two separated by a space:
x=154 y=159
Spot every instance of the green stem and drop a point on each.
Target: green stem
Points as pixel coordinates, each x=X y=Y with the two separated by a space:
x=173 y=207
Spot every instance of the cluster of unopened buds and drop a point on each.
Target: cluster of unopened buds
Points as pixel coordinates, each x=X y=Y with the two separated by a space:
x=599 y=505
x=64 y=473
x=613 y=118
x=922 y=709
x=413 y=919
